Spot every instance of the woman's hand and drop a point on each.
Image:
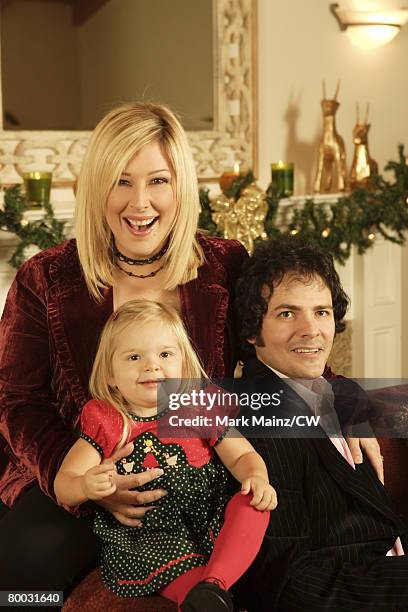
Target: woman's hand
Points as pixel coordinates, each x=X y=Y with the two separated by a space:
x=98 y=482
x=127 y=505
x=372 y=451
x=264 y=495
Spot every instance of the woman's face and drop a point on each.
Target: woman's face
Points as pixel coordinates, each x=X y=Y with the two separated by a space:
x=141 y=207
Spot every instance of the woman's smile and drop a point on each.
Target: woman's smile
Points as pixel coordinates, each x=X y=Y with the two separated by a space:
x=140 y=226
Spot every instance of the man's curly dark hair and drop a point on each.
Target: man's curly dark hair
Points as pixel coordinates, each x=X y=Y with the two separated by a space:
x=271 y=261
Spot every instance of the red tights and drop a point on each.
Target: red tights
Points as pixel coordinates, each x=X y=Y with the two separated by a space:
x=236 y=547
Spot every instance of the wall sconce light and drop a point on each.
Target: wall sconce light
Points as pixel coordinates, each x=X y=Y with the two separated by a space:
x=368 y=29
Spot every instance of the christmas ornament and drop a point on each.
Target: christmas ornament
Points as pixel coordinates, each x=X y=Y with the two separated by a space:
x=242 y=220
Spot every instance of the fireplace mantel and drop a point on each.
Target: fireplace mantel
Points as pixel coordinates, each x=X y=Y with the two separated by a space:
x=373 y=282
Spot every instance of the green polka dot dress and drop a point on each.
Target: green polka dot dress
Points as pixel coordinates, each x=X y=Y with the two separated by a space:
x=179 y=533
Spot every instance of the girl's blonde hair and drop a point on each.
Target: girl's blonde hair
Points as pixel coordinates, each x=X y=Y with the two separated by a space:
x=115 y=141
x=137 y=312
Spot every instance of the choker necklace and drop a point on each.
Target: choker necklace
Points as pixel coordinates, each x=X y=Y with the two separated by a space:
x=140 y=262
x=149 y=275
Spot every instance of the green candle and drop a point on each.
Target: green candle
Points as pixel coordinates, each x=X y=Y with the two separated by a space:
x=37 y=188
x=282 y=178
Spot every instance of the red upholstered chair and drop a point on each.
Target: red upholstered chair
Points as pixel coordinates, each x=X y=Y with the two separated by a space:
x=92 y=596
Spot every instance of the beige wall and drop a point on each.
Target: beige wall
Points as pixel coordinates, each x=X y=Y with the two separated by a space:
x=155 y=50
x=42 y=94
x=299 y=45
x=404 y=298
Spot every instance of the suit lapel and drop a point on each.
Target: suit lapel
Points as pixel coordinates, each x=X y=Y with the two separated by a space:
x=292 y=404
x=360 y=483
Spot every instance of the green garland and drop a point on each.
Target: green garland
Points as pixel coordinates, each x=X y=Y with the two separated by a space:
x=352 y=220
x=43 y=233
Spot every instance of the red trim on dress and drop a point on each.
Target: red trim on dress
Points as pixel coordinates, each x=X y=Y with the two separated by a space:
x=160 y=569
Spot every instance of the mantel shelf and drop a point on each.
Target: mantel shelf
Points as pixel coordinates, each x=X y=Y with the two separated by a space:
x=322 y=198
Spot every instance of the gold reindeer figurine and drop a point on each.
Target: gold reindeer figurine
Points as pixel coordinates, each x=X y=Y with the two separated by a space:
x=331 y=169
x=364 y=168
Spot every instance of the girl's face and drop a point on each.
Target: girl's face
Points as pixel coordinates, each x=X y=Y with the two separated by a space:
x=144 y=356
x=140 y=209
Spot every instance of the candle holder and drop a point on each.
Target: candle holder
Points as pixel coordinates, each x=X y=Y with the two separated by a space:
x=37 y=188
x=228 y=177
x=282 y=178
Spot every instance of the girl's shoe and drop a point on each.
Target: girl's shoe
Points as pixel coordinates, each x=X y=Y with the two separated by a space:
x=207 y=597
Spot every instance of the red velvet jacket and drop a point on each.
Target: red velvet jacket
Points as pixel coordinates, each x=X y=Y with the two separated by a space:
x=48 y=338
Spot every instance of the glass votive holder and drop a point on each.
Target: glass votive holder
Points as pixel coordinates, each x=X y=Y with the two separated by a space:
x=37 y=188
x=228 y=177
x=283 y=178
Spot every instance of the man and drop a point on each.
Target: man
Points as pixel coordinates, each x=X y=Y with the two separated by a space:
x=327 y=542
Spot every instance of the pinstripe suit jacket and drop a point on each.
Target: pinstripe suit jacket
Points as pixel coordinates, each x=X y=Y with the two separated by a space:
x=328 y=514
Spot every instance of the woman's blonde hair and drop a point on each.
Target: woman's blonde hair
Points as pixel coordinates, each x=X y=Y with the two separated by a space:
x=115 y=141
x=138 y=312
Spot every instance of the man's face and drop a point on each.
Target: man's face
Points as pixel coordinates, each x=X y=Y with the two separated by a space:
x=298 y=329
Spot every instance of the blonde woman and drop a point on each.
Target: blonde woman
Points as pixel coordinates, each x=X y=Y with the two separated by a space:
x=136 y=229
x=189 y=548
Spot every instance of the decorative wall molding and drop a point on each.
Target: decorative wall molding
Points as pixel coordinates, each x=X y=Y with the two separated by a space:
x=232 y=139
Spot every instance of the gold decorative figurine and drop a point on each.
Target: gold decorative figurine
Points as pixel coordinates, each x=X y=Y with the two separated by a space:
x=331 y=169
x=242 y=220
x=364 y=168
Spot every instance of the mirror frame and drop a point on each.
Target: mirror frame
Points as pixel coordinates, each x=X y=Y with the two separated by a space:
x=234 y=134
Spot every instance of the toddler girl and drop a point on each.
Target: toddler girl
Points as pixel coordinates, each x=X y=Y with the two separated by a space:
x=187 y=547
